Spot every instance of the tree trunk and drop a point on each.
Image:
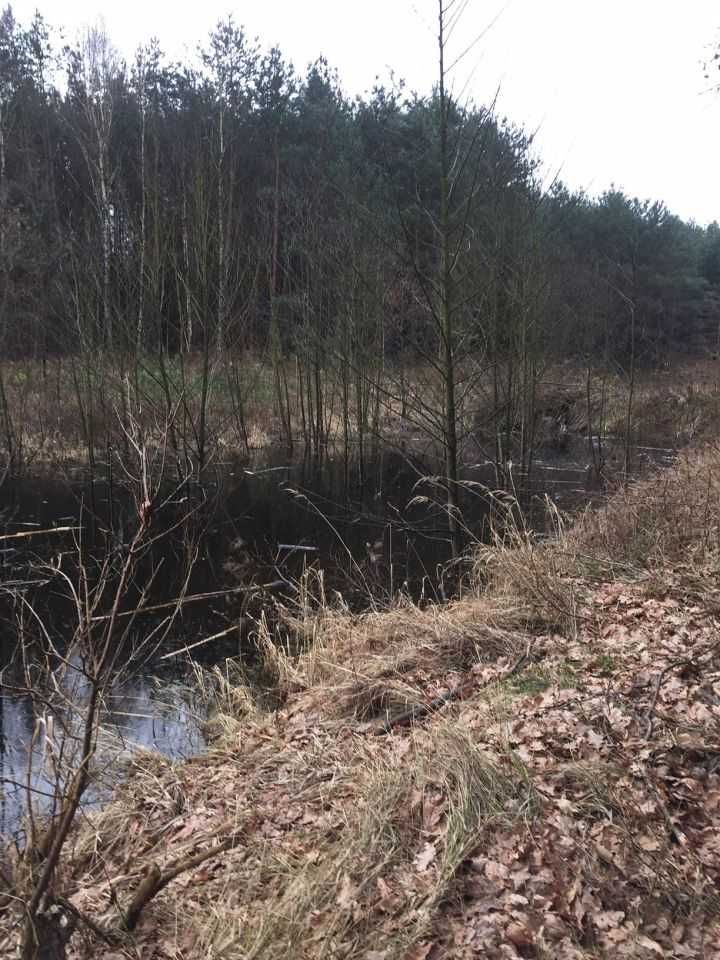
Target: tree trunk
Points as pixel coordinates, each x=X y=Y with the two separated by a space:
x=446 y=305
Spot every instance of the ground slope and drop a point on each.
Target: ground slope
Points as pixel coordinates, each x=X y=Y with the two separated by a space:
x=530 y=772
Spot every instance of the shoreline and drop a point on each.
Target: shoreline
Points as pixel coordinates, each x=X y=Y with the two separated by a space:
x=559 y=803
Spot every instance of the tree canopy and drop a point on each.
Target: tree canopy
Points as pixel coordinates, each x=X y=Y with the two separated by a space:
x=161 y=205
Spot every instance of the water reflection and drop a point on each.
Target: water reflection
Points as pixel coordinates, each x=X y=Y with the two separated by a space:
x=152 y=713
x=373 y=527
x=383 y=516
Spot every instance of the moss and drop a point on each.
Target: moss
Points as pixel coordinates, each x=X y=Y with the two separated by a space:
x=536 y=679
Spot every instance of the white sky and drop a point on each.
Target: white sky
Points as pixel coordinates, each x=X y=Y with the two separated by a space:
x=615 y=87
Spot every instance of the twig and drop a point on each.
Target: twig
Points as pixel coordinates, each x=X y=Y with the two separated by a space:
x=110 y=937
x=659 y=680
x=181 y=601
x=418 y=712
x=199 y=643
x=656 y=692
x=155 y=880
x=37 y=533
x=676 y=834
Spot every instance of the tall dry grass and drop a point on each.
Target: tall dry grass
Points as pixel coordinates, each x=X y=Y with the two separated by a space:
x=672 y=516
x=357 y=842
x=666 y=524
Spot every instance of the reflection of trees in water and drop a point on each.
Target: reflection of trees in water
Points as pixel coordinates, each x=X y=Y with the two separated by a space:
x=395 y=544
x=143 y=713
x=16 y=729
x=150 y=713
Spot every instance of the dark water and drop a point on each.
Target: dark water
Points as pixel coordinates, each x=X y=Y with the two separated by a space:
x=375 y=531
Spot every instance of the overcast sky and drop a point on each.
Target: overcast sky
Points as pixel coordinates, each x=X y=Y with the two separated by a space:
x=615 y=88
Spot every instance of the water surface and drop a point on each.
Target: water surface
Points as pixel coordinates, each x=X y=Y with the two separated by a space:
x=375 y=530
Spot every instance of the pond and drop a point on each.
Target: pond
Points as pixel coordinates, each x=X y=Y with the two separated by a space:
x=262 y=522
x=152 y=712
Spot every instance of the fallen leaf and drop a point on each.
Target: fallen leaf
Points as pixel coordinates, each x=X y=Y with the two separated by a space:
x=606 y=919
x=519 y=935
x=426 y=856
x=433 y=811
x=346 y=893
x=496 y=871
x=650 y=945
x=419 y=952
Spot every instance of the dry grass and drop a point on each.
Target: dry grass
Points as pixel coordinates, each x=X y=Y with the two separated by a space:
x=565 y=805
x=670 y=407
x=56 y=411
x=380 y=664
x=671 y=517
x=342 y=893
x=520 y=566
x=663 y=528
x=53 y=410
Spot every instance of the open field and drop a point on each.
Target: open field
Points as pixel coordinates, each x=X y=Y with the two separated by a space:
x=528 y=772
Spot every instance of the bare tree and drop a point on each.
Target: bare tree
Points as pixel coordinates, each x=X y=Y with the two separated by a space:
x=98 y=653
x=95 y=69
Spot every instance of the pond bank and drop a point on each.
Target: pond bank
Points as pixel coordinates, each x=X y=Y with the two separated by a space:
x=531 y=772
x=269 y=519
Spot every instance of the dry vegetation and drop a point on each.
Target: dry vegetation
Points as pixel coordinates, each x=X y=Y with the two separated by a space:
x=56 y=414
x=532 y=772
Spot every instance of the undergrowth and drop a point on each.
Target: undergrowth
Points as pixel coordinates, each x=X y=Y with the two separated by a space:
x=531 y=771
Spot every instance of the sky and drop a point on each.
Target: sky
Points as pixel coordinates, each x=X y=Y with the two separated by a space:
x=614 y=89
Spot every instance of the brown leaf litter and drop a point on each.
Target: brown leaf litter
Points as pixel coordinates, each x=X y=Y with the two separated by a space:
x=568 y=809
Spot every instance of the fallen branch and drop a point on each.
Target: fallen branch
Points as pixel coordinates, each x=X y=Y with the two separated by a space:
x=199 y=643
x=181 y=601
x=420 y=711
x=37 y=533
x=156 y=880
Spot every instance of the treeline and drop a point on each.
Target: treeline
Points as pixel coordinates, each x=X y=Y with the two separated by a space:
x=160 y=206
x=248 y=255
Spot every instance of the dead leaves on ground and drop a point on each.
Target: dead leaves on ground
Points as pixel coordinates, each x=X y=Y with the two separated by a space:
x=598 y=836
